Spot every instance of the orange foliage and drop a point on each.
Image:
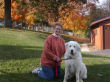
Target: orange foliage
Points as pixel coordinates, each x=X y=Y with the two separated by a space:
x=73 y=16
x=18 y=12
x=14 y=14
x=17 y=17
x=2 y=9
x=14 y=5
x=21 y=13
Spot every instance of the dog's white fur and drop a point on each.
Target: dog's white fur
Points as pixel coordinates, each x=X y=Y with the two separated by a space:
x=74 y=66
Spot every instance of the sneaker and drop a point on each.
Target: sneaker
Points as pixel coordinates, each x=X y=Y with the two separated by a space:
x=36 y=70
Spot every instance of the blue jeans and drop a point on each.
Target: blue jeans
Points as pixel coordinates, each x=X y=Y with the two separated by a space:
x=49 y=73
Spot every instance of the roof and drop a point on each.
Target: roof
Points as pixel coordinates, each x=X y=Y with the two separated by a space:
x=99 y=22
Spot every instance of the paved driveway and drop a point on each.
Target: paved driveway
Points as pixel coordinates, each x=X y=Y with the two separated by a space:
x=105 y=52
x=87 y=49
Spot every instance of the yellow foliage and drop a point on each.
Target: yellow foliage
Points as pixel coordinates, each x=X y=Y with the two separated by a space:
x=72 y=16
x=30 y=19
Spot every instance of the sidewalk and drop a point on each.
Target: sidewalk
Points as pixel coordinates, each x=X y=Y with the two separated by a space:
x=84 y=47
x=105 y=52
x=88 y=48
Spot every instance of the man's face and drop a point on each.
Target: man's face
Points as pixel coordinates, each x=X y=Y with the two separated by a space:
x=58 y=30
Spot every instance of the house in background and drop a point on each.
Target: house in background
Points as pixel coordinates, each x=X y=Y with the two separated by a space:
x=100 y=33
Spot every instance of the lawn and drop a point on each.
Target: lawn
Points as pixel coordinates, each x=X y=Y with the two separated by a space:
x=20 y=53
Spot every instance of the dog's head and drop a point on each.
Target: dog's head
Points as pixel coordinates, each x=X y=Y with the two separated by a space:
x=72 y=48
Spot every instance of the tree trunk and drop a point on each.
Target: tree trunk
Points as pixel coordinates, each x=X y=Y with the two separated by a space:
x=7 y=21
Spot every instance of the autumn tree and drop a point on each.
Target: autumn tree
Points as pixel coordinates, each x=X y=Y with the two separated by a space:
x=73 y=16
x=22 y=12
x=14 y=11
x=19 y=10
x=30 y=17
x=99 y=12
x=2 y=9
x=47 y=9
x=38 y=11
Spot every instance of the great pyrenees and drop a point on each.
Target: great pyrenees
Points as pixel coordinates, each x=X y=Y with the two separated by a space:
x=74 y=66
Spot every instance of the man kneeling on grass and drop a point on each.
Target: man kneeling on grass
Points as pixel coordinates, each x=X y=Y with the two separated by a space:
x=54 y=49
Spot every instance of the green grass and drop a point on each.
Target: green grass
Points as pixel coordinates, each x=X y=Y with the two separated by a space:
x=20 y=53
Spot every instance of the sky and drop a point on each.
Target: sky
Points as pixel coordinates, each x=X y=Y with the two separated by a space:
x=101 y=2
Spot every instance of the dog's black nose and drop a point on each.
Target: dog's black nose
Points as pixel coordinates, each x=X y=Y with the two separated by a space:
x=71 y=51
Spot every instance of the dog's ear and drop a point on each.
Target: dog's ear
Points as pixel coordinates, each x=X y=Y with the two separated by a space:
x=78 y=48
x=66 y=44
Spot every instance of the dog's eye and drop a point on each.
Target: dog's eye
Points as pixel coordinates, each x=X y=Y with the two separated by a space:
x=70 y=46
x=74 y=46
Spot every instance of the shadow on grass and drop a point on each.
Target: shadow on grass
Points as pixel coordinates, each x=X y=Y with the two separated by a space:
x=8 y=52
x=23 y=77
x=91 y=55
x=96 y=73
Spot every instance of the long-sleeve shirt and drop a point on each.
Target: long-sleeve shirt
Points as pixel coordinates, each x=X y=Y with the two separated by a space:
x=53 y=47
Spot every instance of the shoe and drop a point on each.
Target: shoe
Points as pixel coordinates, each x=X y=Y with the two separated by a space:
x=36 y=70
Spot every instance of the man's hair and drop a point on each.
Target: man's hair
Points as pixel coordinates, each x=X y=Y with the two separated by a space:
x=58 y=23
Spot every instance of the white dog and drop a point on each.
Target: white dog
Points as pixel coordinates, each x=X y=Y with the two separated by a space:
x=74 y=66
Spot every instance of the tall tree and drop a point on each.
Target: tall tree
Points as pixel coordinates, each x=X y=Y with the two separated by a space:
x=73 y=16
x=7 y=21
x=99 y=12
